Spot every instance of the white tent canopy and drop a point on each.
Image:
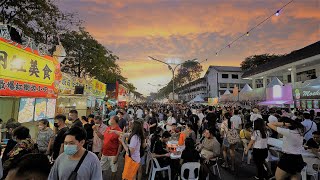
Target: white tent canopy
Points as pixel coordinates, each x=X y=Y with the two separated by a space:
x=197 y=99
x=227 y=92
x=275 y=81
x=246 y=88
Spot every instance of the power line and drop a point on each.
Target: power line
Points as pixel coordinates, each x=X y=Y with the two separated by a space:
x=277 y=13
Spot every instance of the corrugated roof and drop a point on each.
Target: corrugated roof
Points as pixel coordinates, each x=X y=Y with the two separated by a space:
x=227 y=68
x=294 y=56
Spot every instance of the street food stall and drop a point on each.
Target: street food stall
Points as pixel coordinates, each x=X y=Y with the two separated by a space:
x=28 y=84
x=308 y=97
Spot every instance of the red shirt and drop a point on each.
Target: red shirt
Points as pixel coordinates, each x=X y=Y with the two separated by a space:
x=110 y=142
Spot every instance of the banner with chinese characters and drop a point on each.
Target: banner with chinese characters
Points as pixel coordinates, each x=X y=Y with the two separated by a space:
x=24 y=73
x=92 y=87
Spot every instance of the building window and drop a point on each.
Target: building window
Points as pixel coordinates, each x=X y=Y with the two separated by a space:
x=306 y=75
x=242 y=85
x=223 y=85
x=289 y=78
x=235 y=76
x=225 y=76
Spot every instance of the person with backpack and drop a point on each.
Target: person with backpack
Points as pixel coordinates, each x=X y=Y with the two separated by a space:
x=259 y=142
x=230 y=139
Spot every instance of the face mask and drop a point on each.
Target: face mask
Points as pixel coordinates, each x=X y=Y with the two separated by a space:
x=56 y=125
x=70 y=149
x=109 y=122
x=41 y=127
x=97 y=124
x=70 y=119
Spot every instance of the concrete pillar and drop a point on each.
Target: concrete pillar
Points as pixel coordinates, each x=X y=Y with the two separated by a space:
x=293 y=76
x=254 y=84
x=264 y=80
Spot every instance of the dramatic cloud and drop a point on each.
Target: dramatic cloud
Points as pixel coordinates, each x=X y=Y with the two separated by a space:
x=135 y=29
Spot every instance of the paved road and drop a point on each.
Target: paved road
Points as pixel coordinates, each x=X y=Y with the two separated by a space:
x=243 y=171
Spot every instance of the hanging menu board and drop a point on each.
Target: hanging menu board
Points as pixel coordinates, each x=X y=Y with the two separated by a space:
x=51 y=108
x=309 y=104
x=316 y=104
x=26 y=110
x=40 y=109
x=303 y=104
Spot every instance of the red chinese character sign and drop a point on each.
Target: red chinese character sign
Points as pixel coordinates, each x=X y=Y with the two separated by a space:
x=25 y=73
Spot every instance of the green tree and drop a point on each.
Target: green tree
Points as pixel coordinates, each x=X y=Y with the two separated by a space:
x=39 y=19
x=254 y=61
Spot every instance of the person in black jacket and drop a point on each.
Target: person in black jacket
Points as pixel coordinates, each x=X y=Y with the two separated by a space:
x=73 y=116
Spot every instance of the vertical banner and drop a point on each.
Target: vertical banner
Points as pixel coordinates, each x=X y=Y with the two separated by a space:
x=26 y=110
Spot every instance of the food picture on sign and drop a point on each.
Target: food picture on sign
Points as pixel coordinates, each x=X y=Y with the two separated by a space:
x=316 y=104
x=303 y=104
x=51 y=104
x=309 y=104
x=40 y=109
x=26 y=110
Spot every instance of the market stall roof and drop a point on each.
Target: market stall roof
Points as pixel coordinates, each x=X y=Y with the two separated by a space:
x=198 y=98
x=246 y=88
x=279 y=102
x=315 y=82
x=275 y=81
x=227 y=92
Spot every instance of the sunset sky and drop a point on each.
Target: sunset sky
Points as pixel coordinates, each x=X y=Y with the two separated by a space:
x=187 y=29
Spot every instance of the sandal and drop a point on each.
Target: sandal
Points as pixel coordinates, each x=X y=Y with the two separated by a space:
x=225 y=165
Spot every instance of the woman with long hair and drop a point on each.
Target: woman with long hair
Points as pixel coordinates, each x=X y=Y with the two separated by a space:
x=291 y=162
x=259 y=142
x=225 y=127
x=135 y=144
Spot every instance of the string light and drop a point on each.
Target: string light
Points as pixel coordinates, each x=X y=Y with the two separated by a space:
x=253 y=28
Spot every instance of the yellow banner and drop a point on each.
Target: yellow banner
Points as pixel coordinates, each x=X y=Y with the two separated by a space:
x=22 y=65
x=98 y=88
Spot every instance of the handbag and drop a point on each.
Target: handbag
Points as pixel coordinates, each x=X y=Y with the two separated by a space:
x=233 y=136
x=74 y=173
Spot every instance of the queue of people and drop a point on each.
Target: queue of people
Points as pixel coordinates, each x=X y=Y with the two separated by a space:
x=89 y=148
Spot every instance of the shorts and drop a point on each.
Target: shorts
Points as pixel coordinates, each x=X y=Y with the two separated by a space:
x=107 y=163
x=291 y=163
x=226 y=143
x=143 y=159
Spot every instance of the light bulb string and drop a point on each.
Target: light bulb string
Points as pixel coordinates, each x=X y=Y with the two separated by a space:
x=251 y=29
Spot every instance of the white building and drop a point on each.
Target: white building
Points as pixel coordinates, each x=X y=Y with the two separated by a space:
x=192 y=89
x=221 y=78
x=297 y=68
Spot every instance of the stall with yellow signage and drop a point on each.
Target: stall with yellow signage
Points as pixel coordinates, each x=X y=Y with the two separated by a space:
x=28 y=84
x=84 y=95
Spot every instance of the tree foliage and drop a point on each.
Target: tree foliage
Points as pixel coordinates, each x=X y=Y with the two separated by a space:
x=39 y=19
x=254 y=61
x=87 y=57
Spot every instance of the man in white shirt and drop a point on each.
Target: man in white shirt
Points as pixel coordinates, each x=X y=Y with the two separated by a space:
x=255 y=115
x=139 y=113
x=309 y=125
x=236 y=120
x=131 y=110
x=272 y=118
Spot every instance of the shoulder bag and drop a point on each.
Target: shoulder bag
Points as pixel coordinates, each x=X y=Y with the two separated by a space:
x=74 y=173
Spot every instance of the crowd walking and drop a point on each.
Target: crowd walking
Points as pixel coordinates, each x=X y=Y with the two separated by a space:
x=156 y=136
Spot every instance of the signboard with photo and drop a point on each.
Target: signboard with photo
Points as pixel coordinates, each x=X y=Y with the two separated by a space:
x=40 y=109
x=26 y=110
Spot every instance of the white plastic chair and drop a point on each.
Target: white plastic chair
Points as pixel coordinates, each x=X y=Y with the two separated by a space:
x=192 y=166
x=148 y=161
x=155 y=167
x=249 y=156
x=272 y=157
x=310 y=170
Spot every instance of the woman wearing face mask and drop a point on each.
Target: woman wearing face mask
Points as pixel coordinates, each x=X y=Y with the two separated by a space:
x=45 y=137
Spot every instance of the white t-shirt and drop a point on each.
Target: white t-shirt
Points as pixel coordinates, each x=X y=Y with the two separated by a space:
x=170 y=120
x=254 y=117
x=272 y=118
x=292 y=141
x=259 y=142
x=307 y=123
x=139 y=113
x=236 y=121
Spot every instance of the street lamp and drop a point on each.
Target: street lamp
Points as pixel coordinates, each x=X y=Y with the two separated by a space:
x=173 y=69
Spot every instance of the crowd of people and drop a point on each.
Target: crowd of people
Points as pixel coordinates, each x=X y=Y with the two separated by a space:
x=89 y=147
